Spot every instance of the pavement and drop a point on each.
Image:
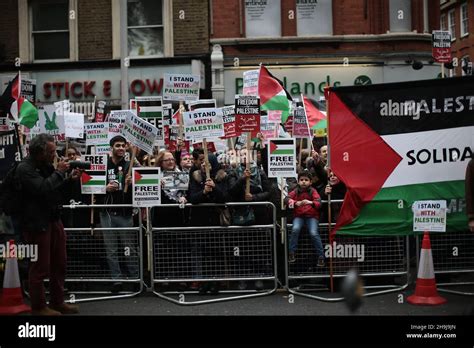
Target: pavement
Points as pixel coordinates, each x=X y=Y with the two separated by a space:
x=278 y=304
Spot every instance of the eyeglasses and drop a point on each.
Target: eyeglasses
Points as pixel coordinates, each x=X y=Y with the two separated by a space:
x=186 y=159
x=169 y=160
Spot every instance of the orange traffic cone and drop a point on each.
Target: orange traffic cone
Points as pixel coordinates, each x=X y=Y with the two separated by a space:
x=425 y=291
x=11 y=298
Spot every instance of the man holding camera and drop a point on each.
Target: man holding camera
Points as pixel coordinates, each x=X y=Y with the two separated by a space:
x=120 y=245
x=41 y=189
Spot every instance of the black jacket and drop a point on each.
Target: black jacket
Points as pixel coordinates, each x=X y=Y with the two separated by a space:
x=260 y=192
x=119 y=196
x=41 y=190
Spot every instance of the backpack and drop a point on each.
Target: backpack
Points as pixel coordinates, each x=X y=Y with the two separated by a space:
x=10 y=193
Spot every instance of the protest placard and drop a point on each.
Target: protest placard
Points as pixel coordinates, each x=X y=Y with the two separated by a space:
x=151 y=110
x=228 y=114
x=281 y=158
x=274 y=116
x=94 y=181
x=116 y=121
x=74 y=125
x=97 y=133
x=429 y=216
x=203 y=123
x=139 y=132
x=175 y=180
x=50 y=122
x=9 y=152
x=247 y=113
x=146 y=187
x=250 y=82
x=300 y=124
x=268 y=129
x=202 y=104
x=181 y=87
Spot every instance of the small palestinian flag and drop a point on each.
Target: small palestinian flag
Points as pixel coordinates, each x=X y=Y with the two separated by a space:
x=148 y=176
x=282 y=147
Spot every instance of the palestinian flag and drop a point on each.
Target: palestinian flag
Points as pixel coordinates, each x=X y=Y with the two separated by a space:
x=394 y=144
x=20 y=108
x=273 y=95
x=282 y=147
x=316 y=117
x=93 y=178
x=148 y=176
x=149 y=108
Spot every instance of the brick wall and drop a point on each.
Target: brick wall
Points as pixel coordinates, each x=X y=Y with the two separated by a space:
x=191 y=34
x=9 y=31
x=95 y=29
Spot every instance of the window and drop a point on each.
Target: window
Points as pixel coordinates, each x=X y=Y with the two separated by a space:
x=145 y=28
x=50 y=29
x=47 y=32
x=262 y=18
x=400 y=15
x=452 y=24
x=464 y=20
x=314 y=17
x=444 y=24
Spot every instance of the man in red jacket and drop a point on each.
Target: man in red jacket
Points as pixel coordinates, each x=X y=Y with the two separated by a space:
x=306 y=203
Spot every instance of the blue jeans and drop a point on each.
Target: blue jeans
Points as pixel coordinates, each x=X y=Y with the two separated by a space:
x=312 y=226
x=115 y=244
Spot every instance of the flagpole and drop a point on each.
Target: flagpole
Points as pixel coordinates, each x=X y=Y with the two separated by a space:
x=206 y=159
x=331 y=270
x=247 y=163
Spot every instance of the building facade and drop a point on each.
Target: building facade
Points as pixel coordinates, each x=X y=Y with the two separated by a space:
x=72 y=48
x=310 y=43
x=455 y=19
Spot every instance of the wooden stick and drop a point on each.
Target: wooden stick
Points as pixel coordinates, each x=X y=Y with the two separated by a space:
x=442 y=70
x=206 y=159
x=125 y=189
x=300 y=155
x=247 y=162
x=331 y=270
x=180 y=116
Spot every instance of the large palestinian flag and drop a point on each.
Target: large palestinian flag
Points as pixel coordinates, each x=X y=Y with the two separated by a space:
x=393 y=144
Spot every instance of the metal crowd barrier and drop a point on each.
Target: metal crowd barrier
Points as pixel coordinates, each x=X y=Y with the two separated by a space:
x=88 y=272
x=234 y=256
x=384 y=264
x=453 y=258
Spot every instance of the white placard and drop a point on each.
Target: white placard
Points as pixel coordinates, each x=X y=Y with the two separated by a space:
x=146 y=187
x=74 y=125
x=203 y=123
x=97 y=133
x=181 y=87
x=429 y=216
x=281 y=158
x=140 y=132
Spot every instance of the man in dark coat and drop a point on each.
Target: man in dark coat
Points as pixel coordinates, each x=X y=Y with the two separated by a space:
x=40 y=222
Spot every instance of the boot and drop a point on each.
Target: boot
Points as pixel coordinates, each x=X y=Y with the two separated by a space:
x=65 y=308
x=45 y=311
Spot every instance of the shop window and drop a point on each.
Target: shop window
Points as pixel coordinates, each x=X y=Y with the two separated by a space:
x=145 y=28
x=400 y=15
x=263 y=18
x=314 y=17
x=464 y=20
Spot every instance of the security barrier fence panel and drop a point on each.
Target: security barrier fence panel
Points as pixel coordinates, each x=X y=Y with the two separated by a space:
x=382 y=262
x=236 y=261
x=92 y=253
x=453 y=260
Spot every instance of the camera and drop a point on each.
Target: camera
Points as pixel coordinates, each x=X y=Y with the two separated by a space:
x=80 y=165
